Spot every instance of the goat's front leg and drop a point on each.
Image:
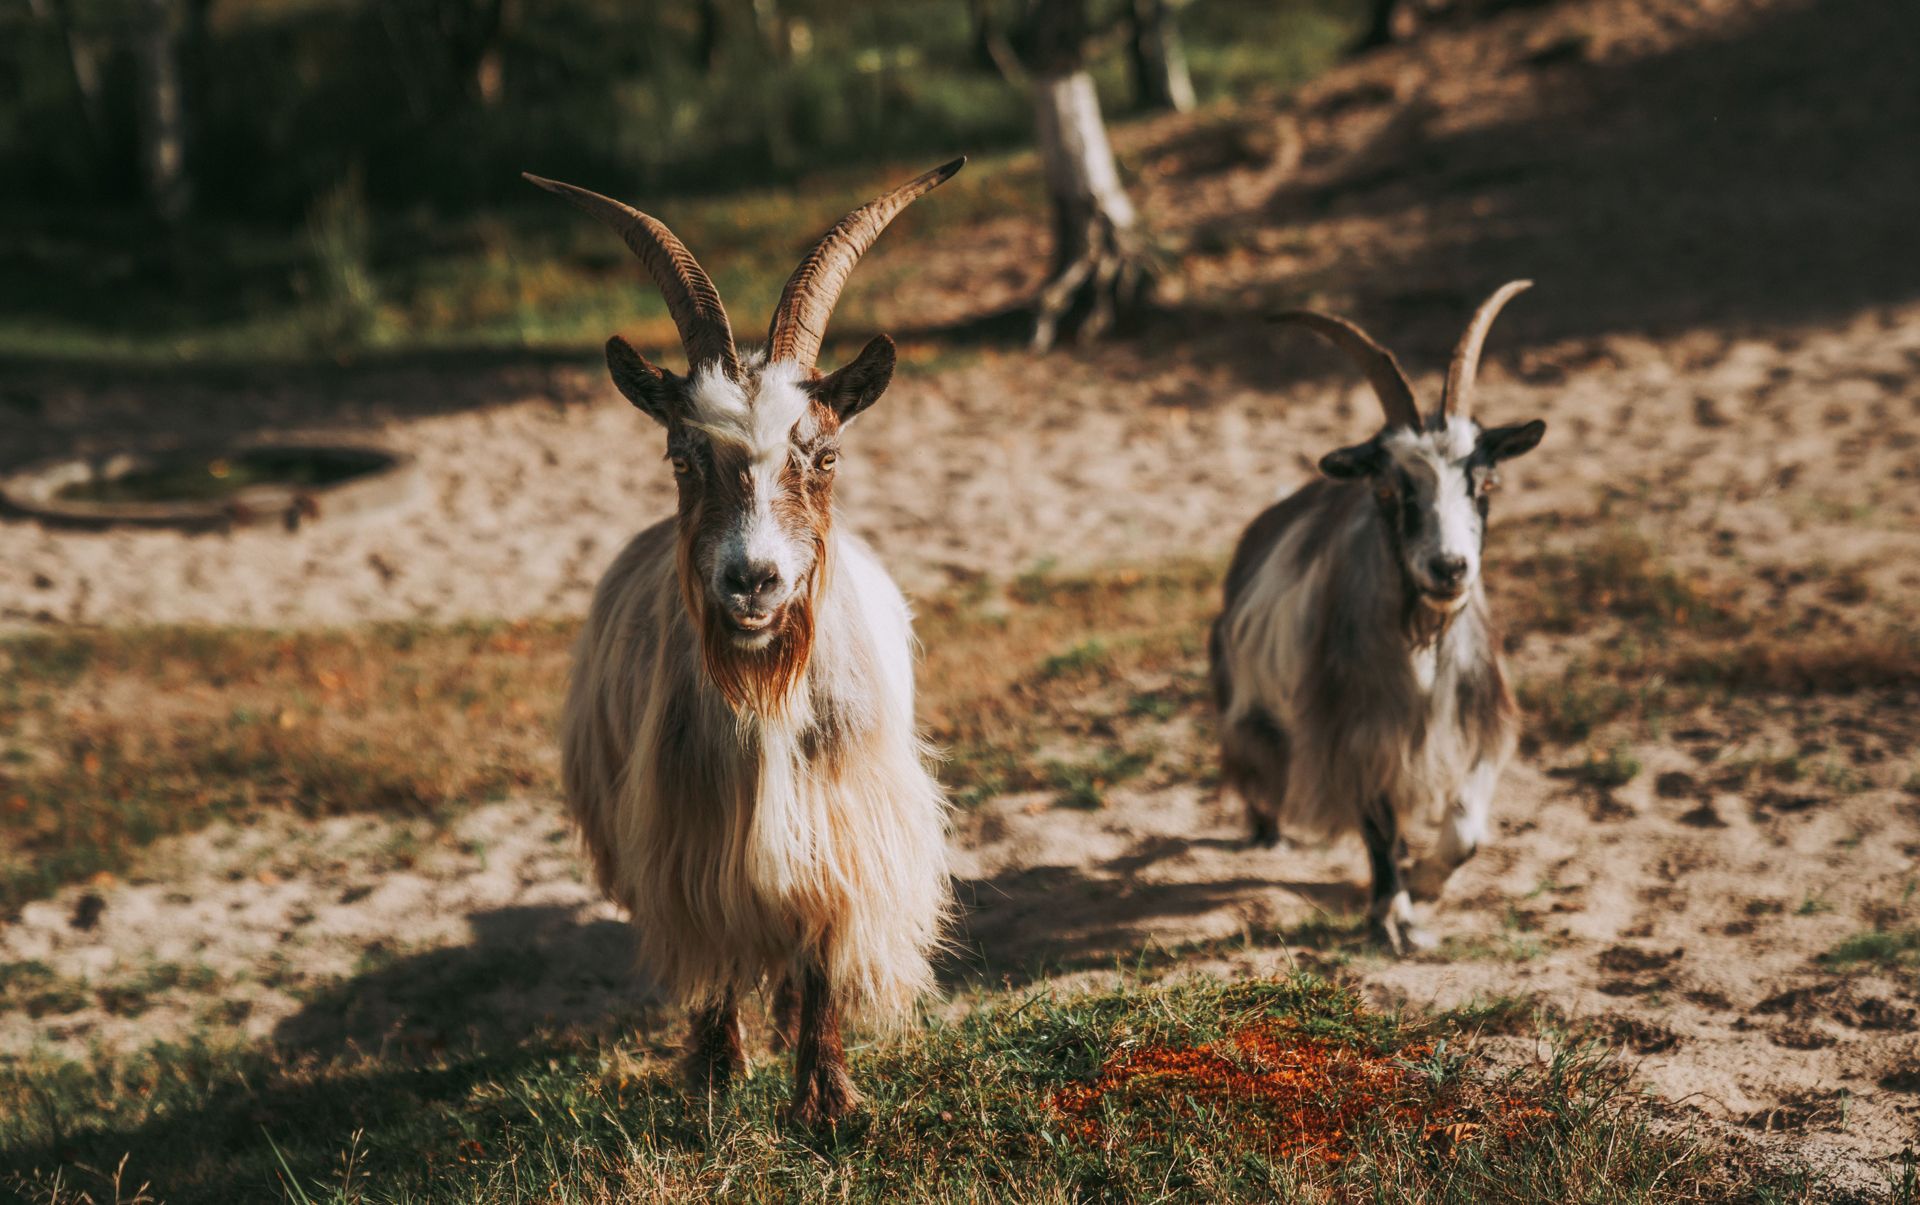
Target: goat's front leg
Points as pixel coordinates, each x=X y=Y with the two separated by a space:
x=786 y=1012
x=714 y=1055
x=823 y=1092
x=1392 y=908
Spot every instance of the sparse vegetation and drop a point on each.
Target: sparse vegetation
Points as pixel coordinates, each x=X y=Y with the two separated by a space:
x=1888 y=949
x=121 y=737
x=1813 y=905
x=111 y=739
x=1619 y=576
x=1194 y=1091
x=1616 y=768
x=1083 y=784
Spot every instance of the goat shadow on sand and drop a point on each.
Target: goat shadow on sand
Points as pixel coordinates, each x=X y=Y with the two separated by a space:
x=1028 y=923
x=531 y=969
x=526 y=968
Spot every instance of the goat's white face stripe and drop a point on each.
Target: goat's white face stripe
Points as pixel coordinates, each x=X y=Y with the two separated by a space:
x=764 y=425
x=1436 y=462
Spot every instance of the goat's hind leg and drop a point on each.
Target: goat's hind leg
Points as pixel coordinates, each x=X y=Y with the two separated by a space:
x=1254 y=758
x=823 y=1092
x=714 y=1055
x=1391 y=912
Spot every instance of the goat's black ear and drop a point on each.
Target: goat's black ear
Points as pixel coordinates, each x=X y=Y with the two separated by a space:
x=1504 y=443
x=854 y=386
x=1358 y=461
x=658 y=393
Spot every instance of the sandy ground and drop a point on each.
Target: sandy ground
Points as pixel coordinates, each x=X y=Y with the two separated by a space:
x=1728 y=357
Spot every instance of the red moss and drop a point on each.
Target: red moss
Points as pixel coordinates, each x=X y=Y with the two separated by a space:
x=1303 y=1097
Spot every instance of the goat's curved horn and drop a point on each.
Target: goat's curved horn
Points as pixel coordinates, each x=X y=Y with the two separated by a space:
x=1456 y=399
x=691 y=298
x=800 y=320
x=1382 y=370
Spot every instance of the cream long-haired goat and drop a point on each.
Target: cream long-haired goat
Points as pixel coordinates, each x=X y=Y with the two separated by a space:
x=738 y=745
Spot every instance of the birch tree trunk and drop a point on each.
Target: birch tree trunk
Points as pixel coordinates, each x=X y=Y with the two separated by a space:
x=1101 y=263
x=1160 y=76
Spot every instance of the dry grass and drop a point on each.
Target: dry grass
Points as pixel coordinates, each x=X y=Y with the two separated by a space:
x=1063 y=683
x=1013 y=672
x=111 y=739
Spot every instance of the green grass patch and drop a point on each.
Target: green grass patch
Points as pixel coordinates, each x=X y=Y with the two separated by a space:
x=1197 y=1091
x=1085 y=784
x=1887 y=949
x=1615 y=768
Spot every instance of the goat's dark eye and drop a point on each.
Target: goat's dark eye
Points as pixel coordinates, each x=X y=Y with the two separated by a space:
x=680 y=466
x=826 y=461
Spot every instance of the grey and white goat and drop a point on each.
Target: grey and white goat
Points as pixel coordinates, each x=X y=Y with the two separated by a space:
x=1355 y=666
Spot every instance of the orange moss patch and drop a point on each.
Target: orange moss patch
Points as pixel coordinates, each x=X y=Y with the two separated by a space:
x=1296 y=1096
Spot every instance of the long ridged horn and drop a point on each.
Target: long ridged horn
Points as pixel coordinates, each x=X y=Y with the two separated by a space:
x=1456 y=400
x=800 y=320
x=691 y=298
x=1382 y=370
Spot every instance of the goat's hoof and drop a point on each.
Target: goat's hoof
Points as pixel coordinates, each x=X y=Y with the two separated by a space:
x=1265 y=834
x=706 y=1077
x=710 y=1068
x=1402 y=937
x=822 y=1101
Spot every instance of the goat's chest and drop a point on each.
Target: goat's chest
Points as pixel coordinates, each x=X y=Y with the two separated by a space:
x=1425 y=664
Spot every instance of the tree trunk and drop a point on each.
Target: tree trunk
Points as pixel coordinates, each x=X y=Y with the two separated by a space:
x=1391 y=21
x=1160 y=78
x=710 y=31
x=82 y=63
x=163 y=115
x=772 y=28
x=1098 y=265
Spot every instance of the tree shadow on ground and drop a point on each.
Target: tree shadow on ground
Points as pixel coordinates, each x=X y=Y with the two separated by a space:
x=59 y=408
x=1753 y=181
x=1749 y=182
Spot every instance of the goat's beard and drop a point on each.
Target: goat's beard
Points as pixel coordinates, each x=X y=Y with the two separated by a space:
x=1425 y=619
x=759 y=679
